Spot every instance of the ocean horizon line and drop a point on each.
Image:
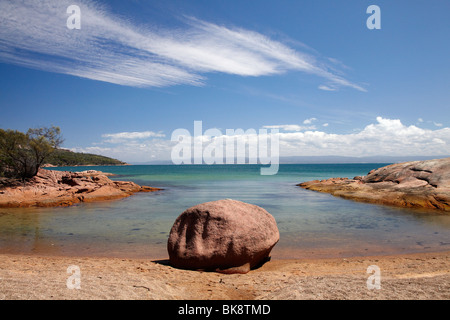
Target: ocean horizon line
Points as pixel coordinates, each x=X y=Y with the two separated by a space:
x=313 y=160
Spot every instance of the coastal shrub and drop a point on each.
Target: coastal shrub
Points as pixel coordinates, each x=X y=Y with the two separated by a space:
x=22 y=154
x=63 y=158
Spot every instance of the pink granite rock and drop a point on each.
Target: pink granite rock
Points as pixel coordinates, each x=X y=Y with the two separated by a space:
x=415 y=184
x=51 y=188
x=227 y=236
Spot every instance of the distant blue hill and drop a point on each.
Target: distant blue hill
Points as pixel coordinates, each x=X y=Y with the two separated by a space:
x=329 y=159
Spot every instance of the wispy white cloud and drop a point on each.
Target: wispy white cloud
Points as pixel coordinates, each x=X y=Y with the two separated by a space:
x=327 y=88
x=134 y=135
x=290 y=127
x=294 y=127
x=436 y=124
x=109 y=48
x=309 y=121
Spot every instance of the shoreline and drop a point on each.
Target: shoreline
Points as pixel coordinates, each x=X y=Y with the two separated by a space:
x=414 y=184
x=160 y=252
x=86 y=165
x=51 y=188
x=402 y=276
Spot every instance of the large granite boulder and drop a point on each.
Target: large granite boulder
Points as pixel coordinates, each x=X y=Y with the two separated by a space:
x=415 y=184
x=226 y=236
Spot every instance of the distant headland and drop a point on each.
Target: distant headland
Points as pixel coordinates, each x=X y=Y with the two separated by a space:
x=67 y=158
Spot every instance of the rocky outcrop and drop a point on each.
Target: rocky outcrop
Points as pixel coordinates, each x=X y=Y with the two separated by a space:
x=64 y=188
x=418 y=184
x=227 y=236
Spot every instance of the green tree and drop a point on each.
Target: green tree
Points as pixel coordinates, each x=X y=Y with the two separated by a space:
x=21 y=155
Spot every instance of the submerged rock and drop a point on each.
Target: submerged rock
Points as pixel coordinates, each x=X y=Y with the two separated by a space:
x=227 y=236
x=419 y=184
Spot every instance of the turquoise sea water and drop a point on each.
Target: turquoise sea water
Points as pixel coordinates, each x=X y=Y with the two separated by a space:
x=311 y=224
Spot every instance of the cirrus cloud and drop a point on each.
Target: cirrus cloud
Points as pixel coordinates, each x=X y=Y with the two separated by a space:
x=109 y=48
x=133 y=135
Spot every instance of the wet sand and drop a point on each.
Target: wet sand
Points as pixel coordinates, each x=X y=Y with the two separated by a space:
x=409 y=276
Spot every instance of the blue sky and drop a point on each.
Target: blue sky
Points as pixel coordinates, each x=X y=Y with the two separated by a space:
x=138 y=70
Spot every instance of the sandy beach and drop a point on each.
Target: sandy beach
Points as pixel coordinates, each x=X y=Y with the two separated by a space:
x=409 y=276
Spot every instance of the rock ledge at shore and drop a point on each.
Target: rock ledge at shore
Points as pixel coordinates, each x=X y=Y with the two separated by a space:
x=51 y=188
x=415 y=184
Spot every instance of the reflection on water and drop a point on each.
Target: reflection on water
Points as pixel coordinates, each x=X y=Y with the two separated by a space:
x=311 y=224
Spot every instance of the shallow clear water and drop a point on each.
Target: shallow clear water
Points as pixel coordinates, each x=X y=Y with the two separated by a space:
x=311 y=224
